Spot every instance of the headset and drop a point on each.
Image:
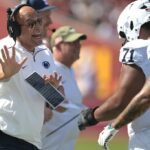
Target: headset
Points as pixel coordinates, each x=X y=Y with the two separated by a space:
x=13 y=27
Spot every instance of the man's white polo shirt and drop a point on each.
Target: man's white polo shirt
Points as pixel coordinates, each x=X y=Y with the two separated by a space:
x=21 y=106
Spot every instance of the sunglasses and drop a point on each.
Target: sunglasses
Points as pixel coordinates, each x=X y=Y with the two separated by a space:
x=32 y=23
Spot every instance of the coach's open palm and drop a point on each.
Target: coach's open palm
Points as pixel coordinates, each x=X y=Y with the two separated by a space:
x=9 y=65
x=106 y=135
x=55 y=80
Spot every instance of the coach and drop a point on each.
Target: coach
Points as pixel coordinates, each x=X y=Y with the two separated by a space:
x=21 y=107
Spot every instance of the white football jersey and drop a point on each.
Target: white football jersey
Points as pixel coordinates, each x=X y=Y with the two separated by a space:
x=138 y=52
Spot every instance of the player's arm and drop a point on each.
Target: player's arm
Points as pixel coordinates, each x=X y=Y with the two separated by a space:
x=138 y=105
x=131 y=81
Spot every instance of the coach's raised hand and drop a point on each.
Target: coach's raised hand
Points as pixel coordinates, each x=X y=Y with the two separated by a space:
x=8 y=64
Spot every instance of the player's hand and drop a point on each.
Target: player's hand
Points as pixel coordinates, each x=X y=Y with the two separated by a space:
x=106 y=135
x=8 y=64
x=87 y=119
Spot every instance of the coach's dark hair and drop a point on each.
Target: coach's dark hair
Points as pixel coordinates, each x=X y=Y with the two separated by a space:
x=13 y=27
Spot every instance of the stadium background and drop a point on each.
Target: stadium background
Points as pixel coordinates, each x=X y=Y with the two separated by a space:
x=98 y=69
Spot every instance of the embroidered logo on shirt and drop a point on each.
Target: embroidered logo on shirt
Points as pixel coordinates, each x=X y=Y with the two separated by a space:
x=46 y=64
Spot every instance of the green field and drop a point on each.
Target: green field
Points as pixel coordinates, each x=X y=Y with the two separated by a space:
x=89 y=142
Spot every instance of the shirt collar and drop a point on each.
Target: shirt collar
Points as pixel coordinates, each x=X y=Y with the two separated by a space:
x=59 y=64
x=20 y=48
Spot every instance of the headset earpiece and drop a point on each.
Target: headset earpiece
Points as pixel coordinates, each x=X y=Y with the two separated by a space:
x=13 y=27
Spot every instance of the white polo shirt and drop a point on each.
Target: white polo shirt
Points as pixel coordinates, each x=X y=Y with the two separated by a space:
x=61 y=132
x=21 y=106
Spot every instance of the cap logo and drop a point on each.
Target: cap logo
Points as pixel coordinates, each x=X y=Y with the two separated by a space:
x=45 y=1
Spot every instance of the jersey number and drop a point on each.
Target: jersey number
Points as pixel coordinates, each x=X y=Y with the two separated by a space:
x=128 y=52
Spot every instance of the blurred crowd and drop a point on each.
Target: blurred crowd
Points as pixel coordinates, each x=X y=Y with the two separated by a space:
x=101 y=14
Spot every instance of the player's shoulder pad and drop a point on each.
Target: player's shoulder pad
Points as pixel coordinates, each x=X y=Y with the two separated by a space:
x=134 y=52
